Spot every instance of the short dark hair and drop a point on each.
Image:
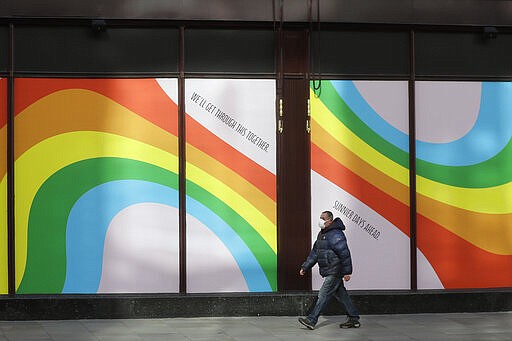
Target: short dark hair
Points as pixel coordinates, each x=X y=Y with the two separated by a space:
x=329 y=214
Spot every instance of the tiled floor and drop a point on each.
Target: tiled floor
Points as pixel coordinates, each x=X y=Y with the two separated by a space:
x=428 y=327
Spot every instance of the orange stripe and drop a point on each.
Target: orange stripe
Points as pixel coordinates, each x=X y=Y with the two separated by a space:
x=142 y=96
x=204 y=140
x=58 y=114
x=325 y=141
x=460 y=264
x=392 y=209
x=237 y=183
x=453 y=218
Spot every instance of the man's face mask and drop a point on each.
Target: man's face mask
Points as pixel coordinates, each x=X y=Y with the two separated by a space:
x=321 y=223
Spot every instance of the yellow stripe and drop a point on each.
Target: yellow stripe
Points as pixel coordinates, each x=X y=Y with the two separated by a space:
x=34 y=167
x=491 y=200
x=346 y=137
x=234 y=181
x=484 y=200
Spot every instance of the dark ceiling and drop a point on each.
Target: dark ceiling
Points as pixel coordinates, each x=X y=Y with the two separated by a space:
x=428 y=12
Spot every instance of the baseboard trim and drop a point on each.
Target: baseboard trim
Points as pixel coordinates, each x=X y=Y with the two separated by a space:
x=116 y=306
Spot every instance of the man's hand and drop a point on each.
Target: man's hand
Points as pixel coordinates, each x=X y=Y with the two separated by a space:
x=302 y=272
x=346 y=278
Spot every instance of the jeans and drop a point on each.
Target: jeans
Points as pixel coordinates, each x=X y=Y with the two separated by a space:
x=332 y=286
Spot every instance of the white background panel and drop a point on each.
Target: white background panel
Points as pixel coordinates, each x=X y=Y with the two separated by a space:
x=389 y=99
x=210 y=265
x=446 y=111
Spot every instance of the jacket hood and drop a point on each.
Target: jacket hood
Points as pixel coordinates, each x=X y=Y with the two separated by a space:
x=337 y=223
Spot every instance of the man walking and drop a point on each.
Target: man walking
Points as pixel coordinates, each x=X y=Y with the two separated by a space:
x=332 y=254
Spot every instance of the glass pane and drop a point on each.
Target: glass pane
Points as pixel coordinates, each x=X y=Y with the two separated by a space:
x=464 y=193
x=360 y=172
x=360 y=52
x=96 y=185
x=231 y=51
x=465 y=54
x=231 y=185
x=4 y=48
x=82 y=50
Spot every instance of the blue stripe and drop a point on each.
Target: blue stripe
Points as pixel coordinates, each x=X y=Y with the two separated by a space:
x=490 y=134
x=251 y=269
x=351 y=96
x=90 y=218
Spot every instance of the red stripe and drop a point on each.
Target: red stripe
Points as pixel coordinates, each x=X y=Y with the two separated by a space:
x=201 y=138
x=393 y=210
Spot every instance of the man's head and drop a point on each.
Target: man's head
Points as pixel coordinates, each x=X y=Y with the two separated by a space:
x=327 y=217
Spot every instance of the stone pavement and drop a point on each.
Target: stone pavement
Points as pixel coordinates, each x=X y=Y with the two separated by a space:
x=428 y=327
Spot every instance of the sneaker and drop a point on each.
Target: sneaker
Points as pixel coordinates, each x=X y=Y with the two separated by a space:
x=306 y=322
x=351 y=322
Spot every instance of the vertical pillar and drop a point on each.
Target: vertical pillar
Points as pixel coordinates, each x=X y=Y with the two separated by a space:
x=293 y=188
x=181 y=163
x=11 y=254
x=412 y=165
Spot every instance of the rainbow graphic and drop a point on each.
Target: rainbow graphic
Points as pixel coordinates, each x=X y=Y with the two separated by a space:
x=354 y=166
x=463 y=194
x=97 y=197
x=85 y=150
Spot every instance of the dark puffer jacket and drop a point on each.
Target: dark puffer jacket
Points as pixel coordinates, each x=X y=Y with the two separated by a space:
x=331 y=251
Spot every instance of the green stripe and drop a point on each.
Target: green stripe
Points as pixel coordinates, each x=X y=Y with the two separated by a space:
x=337 y=106
x=493 y=172
x=262 y=251
x=45 y=270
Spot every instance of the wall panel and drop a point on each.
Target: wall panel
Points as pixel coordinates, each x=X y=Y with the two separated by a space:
x=354 y=52
x=85 y=50
x=463 y=54
x=229 y=51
